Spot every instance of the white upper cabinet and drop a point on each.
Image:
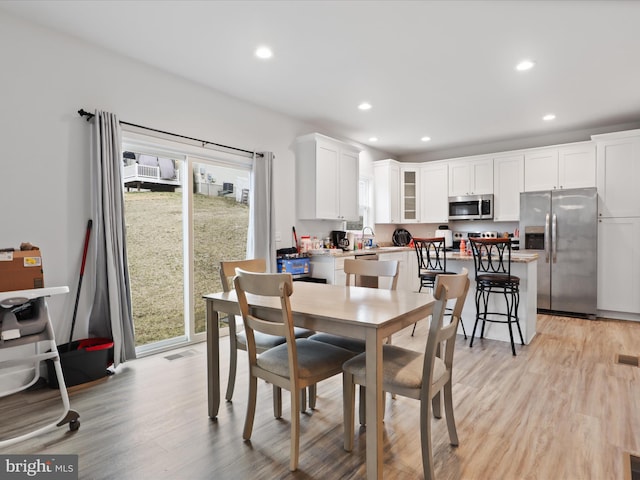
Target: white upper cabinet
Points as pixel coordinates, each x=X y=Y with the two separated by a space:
x=508 y=183
x=434 y=193
x=327 y=174
x=619 y=174
x=471 y=177
x=571 y=166
x=386 y=179
x=409 y=193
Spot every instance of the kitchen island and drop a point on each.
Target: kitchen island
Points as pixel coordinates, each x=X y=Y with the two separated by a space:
x=523 y=265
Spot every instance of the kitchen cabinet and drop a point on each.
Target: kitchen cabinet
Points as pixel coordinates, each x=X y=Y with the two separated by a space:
x=508 y=183
x=618 y=166
x=386 y=179
x=409 y=189
x=330 y=268
x=471 y=177
x=618 y=265
x=434 y=193
x=327 y=175
x=570 y=166
x=403 y=270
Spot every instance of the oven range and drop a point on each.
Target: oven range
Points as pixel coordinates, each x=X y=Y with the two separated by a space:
x=457 y=236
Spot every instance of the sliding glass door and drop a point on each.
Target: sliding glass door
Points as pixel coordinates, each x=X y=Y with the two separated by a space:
x=184 y=214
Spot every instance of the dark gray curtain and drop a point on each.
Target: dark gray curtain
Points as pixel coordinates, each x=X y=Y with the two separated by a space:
x=261 y=237
x=111 y=315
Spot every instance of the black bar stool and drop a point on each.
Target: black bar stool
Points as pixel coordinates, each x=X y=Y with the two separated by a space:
x=492 y=259
x=432 y=261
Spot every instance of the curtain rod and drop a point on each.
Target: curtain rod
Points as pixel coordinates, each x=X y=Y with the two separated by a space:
x=83 y=113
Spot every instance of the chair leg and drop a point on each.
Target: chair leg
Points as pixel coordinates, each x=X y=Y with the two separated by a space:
x=509 y=309
x=312 y=396
x=295 y=428
x=448 y=411
x=362 y=395
x=516 y=295
x=425 y=437
x=348 y=407
x=414 y=329
x=303 y=400
x=464 y=332
x=251 y=408
x=475 y=324
x=233 y=359
x=436 y=405
x=277 y=402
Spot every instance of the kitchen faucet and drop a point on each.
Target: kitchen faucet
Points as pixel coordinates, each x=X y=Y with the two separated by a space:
x=373 y=235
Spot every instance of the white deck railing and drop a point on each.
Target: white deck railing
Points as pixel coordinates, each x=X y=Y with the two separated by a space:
x=146 y=173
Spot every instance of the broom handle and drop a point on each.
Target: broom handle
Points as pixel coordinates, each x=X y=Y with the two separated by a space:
x=84 y=259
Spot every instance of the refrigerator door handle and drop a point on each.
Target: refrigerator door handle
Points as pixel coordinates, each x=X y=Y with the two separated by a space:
x=554 y=238
x=547 y=239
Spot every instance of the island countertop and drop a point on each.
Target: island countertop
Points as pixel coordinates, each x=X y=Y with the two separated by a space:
x=516 y=256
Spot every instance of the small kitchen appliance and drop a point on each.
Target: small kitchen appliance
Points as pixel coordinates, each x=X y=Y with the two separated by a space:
x=339 y=239
x=443 y=231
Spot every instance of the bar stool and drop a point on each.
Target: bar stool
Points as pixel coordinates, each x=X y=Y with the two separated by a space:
x=492 y=260
x=432 y=261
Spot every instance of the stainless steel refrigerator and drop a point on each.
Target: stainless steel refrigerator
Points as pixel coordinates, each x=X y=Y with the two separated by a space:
x=561 y=226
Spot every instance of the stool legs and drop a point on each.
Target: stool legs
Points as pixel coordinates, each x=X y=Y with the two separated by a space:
x=512 y=299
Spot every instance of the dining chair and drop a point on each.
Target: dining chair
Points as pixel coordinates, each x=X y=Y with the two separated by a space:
x=294 y=365
x=421 y=376
x=492 y=260
x=238 y=339
x=360 y=272
x=432 y=261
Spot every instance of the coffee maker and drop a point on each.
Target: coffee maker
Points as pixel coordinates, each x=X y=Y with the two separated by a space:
x=339 y=239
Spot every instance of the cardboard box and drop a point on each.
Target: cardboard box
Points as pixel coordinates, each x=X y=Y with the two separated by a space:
x=21 y=270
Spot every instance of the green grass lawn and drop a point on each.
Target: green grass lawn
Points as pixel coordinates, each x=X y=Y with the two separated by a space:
x=156 y=258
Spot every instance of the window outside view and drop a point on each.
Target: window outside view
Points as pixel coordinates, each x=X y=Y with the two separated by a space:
x=155 y=217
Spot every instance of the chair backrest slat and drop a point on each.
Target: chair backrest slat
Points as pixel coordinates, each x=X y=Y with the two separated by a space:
x=431 y=254
x=491 y=255
x=228 y=270
x=372 y=268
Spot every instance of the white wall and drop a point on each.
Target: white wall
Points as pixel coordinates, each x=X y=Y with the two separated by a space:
x=46 y=78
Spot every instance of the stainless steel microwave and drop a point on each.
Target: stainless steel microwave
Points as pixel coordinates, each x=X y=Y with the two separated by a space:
x=472 y=207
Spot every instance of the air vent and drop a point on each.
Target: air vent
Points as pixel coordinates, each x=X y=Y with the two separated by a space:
x=628 y=360
x=183 y=354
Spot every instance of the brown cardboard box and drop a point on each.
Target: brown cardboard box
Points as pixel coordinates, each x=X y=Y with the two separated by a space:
x=21 y=270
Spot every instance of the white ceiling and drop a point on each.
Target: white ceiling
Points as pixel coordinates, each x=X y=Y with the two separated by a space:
x=439 y=68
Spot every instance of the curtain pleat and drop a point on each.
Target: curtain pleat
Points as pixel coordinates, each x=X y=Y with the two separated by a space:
x=111 y=314
x=261 y=235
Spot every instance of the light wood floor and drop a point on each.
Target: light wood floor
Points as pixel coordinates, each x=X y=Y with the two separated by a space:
x=561 y=409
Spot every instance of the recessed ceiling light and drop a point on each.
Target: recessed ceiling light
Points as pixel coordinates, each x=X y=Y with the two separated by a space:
x=373 y=139
x=365 y=106
x=264 y=52
x=525 y=65
x=425 y=139
x=549 y=117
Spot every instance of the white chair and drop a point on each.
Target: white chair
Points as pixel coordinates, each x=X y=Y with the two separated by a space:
x=238 y=340
x=294 y=365
x=362 y=272
x=421 y=376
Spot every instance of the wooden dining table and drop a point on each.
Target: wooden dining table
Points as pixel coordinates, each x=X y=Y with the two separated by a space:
x=368 y=314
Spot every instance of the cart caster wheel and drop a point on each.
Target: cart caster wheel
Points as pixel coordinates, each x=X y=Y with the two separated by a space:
x=74 y=425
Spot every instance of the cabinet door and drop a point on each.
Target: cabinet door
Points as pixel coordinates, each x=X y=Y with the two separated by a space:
x=618 y=164
x=348 y=177
x=577 y=166
x=459 y=179
x=481 y=177
x=541 y=170
x=434 y=198
x=387 y=191
x=508 y=184
x=327 y=193
x=619 y=264
x=409 y=194
x=403 y=279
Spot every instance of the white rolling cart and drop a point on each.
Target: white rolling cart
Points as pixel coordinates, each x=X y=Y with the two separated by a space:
x=24 y=320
